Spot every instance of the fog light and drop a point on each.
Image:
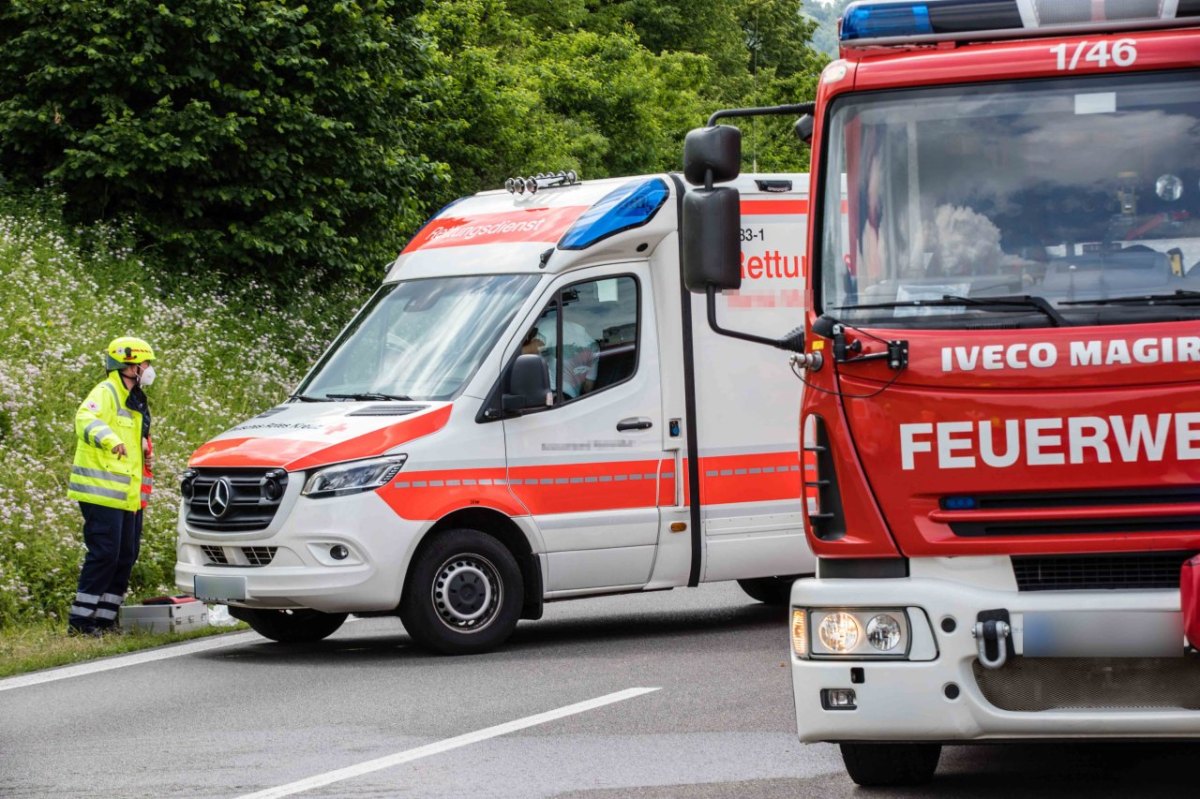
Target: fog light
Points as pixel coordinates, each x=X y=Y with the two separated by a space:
x=838 y=699
x=800 y=632
x=883 y=632
x=187 y=485
x=839 y=632
x=339 y=552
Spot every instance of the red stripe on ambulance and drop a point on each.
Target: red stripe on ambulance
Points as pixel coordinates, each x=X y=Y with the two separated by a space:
x=528 y=224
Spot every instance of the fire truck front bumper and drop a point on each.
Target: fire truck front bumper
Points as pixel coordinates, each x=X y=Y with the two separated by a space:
x=956 y=652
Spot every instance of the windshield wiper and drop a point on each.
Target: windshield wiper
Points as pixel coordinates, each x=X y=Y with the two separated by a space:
x=1179 y=297
x=307 y=398
x=1009 y=303
x=369 y=395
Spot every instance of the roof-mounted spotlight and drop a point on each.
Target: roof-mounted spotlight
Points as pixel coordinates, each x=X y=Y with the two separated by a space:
x=542 y=180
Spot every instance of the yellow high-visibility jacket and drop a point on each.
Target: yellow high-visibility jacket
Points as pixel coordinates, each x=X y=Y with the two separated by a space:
x=102 y=422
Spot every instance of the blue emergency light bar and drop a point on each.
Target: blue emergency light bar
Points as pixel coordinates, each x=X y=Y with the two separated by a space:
x=630 y=206
x=894 y=22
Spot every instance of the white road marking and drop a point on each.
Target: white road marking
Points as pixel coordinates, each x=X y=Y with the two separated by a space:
x=134 y=659
x=446 y=745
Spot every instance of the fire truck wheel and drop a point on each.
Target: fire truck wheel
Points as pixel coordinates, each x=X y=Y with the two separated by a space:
x=463 y=594
x=882 y=765
x=769 y=590
x=290 y=626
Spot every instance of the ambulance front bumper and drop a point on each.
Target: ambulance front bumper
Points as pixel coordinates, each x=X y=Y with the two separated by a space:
x=336 y=555
x=1085 y=664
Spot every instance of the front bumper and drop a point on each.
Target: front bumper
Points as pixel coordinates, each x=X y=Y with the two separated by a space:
x=290 y=565
x=941 y=699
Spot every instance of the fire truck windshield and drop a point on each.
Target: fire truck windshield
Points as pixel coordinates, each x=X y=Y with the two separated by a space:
x=419 y=339
x=1083 y=192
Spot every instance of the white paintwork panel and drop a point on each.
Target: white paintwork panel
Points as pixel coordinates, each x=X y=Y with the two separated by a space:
x=599 y=568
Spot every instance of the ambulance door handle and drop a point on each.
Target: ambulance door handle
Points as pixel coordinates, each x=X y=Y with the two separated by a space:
x=634 y=423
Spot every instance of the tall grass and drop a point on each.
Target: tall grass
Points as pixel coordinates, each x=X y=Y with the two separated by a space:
x=223 y=354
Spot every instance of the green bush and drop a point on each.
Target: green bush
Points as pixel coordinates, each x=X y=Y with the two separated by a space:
x=223 y=355
x=271 y=135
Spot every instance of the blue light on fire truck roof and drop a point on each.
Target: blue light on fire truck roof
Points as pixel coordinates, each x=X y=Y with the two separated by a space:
x=875 y=20
x=630 y=206
x=893 y=21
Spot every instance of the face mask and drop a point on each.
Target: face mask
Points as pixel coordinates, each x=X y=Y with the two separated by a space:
x=147 y=376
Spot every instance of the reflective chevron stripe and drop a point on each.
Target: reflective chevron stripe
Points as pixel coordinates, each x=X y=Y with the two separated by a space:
x=100 y=474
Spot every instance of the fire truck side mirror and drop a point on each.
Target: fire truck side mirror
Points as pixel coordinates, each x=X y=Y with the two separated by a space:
x=804 y=128
x=528 y=384
x=712 y=155
x=711 y=244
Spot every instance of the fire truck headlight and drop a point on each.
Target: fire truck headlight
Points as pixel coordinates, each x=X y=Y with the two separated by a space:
x=839 y=632
x=883 y=632
x=851 y=633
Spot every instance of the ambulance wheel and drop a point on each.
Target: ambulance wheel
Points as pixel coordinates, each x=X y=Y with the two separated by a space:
x=884 y=765
x=300 y=626
x=463 y=594
x=769 y=590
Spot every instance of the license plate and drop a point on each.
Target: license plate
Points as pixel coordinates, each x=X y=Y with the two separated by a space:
x=1103 y=634
x=219 y=588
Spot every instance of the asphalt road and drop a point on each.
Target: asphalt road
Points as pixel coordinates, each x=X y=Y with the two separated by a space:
x=248 y=716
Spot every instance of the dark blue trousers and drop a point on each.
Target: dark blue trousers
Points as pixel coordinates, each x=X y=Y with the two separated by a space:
x=113 y=538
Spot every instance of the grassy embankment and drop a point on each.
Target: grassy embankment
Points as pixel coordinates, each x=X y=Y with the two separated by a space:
x=224 y=354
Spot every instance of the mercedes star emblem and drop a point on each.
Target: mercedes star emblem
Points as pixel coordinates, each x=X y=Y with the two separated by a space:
x=219 y=497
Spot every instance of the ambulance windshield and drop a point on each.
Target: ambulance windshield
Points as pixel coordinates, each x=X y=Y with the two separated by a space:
x=950 y=207
x=419 y=339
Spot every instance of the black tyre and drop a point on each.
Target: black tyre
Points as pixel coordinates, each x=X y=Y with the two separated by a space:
x=463 y=594
x=769 y=590
x=290 y=626
x=891 y=765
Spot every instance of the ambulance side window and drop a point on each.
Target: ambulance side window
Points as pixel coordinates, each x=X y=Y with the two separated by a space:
x=588 y=335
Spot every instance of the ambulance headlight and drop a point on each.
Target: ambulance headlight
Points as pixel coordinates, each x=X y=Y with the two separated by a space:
x=855 y=633
x=353 y=477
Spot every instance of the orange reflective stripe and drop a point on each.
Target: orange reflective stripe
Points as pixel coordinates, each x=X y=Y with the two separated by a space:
x=296 y=454
x=595 y=487
x=757 y=477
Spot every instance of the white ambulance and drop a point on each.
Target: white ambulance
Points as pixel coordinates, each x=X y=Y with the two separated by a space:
x=531 y=408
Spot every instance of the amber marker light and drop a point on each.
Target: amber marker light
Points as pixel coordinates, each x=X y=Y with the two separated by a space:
x=800 y=632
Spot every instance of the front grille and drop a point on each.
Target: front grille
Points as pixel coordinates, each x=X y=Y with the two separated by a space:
x=259 y=556
x=1134 y=570
x=254 y=497
x=1087 y=523
x=1030 y=685
x=215 y=555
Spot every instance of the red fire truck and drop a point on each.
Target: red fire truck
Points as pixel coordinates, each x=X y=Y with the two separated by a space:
x=1002 y=355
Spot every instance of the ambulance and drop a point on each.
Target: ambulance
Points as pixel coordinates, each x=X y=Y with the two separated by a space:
x=531 y=408
x=1002 y=362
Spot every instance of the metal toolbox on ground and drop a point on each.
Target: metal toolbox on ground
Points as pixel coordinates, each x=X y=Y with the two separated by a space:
x=165 y=618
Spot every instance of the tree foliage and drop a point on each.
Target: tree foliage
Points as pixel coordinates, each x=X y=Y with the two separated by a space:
x=826 y=16
x=269 y=136
x=275 y=136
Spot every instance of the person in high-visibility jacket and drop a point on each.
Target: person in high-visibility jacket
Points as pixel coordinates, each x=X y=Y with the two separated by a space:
x=110 y=478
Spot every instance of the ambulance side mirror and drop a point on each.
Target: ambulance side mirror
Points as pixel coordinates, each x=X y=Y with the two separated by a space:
x=528 y=384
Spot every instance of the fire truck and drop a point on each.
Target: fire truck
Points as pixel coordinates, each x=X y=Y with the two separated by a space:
x=525 y=411
x=1002 y=361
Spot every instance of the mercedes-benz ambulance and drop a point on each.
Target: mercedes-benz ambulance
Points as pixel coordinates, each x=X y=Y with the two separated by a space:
x=527 y=410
